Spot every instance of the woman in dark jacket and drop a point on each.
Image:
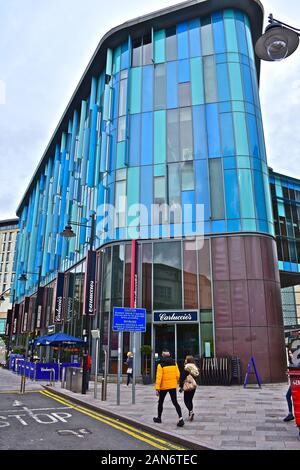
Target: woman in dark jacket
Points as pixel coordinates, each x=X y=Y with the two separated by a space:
x=188 y=384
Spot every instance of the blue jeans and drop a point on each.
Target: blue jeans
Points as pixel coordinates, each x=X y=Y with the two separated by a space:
x=289 y=399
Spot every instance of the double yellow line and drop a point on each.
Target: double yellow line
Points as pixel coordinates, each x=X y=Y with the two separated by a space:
x=156 y=442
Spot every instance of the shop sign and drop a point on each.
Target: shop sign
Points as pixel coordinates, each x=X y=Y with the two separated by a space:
x=175 y=316
x=60 y=280
x=70 y=296
x=90 y=284
x=129 y=319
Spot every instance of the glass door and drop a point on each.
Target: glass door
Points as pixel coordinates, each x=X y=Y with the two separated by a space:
x=187 y=342
x=165 y=339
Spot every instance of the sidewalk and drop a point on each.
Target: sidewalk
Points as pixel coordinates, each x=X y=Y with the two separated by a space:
x=11 y=382
x=225 y=417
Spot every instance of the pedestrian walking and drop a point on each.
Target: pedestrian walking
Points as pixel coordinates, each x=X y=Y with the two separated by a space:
x=167 y=377
x=288 y=396
x=129 y=363
x=188 y=384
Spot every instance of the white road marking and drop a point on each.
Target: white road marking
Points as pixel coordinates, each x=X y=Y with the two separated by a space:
x=17 y=403
x=38 y=409
x=69 y=431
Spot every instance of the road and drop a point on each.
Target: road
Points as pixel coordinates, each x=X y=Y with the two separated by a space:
x=39 y=420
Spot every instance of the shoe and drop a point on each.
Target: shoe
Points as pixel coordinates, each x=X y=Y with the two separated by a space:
x=157 y=420
x=180 y=423
x=191 y=416
x=289 y=417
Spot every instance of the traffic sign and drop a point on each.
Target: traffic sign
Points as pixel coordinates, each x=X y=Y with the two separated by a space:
x=129 y=319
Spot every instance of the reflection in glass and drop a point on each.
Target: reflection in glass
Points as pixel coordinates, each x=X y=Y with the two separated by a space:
x=167 y=283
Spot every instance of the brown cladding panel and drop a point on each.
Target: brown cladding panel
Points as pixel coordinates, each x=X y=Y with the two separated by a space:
x=277 y=354
x=267 y=258
x=275 y=257
x=224 y=342
x=239 y=304
x=273 y=304
x=242 y=346
x=220 y=259
x=260 y=352
x=236 y=257
x=253 y=258
x=257 y=305
x=222 y=303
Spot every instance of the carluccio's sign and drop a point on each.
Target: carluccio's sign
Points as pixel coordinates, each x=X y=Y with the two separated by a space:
x=175 y=316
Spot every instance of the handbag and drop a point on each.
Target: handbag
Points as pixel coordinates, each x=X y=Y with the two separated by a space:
x=189 y=384
x=129 y=370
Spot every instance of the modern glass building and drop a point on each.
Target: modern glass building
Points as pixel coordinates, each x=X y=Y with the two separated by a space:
x=167 y=113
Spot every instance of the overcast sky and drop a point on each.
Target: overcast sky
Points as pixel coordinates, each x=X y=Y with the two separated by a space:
x=45 y=47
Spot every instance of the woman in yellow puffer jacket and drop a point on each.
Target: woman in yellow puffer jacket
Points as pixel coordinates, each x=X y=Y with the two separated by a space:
x=167 y=376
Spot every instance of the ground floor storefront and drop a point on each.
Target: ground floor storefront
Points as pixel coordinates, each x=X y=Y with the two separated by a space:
x=214 y=297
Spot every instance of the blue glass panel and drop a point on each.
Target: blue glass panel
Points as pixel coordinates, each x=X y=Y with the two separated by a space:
x=183 y=42
x=219 y=34
x=188 y=206
x=230 y=31
x=115 y=99
x=228 y=147
x=147 y=89
x=199 y=129
x=223 y=82
x=184 y=71
x=253 y=136
x=246 y=194
x=202 y=186
x=134 y=141
x=241 y=32
x=229 y=163
x=221 y=58
x=124 y=56
x=195 y=44
x=213 y=132
x=147 y=139
x=219 y=226
x=146 y=193
x=248 y=92
x=249 y=108
x=225 y=107
x=262 y=226
x=232 y=194
x=249 y=225
x=172 y=87
x=234 y=225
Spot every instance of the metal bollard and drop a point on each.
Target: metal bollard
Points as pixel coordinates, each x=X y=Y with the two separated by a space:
x=34 y=373
x=102 y=389
x=63 y=378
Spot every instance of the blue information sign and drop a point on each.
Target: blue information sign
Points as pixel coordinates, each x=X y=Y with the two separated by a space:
x=129 y=319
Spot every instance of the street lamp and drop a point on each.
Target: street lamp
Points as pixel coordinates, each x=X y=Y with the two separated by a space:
x=2 y=298
x=68 y=233
x=278 y=42
x=23 y=278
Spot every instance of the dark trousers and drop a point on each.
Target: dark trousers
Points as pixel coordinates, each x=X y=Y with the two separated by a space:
x=173 y=395
x=129 y=376
x=188 y=399
x=289 y=399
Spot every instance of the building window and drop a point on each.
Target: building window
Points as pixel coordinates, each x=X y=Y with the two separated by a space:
x=160 y=87
x=160 y=190
x=137 y=52
x=187 y=176
x=216 y=189
x=186 y=134
x=121 y=128
x=167 y=275
x=171 y=44
x=120 y=202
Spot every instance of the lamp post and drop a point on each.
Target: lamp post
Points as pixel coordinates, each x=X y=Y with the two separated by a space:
x=23 y=278
x=279 y=41
x=68 y=233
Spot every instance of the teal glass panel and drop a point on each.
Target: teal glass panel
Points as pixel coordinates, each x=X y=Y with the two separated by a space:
x=219 y=34
x=268 y=200
x=117 y=60
x=159 y=170
x=124 y=56
x=210 y=83
x=230 y=31
x=235 y=79
x=229 y=163
x=172 y=85
x=159 y=46
x=206 y=36
x=246 y=194
x=183 y=41
x=223 y=82
x=194 y=33
x=249 y=38
x=213 y=133
x=135 y=90
x=199 y=131
x=247 y=83
x=216 y=189
x=121 y=147
x=249 y=225
x=159 y=137
x=197 y=81
x=241 y=32
x=259 y=195
x=133 y=183
x=243 y=162
x=238 y=106
x=147 y=139
x=253 y=136
x=227 y=135
x=187 y=176
x=240 y=131
x=147 y=89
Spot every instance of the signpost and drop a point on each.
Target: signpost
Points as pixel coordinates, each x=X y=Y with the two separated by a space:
x=127 y=320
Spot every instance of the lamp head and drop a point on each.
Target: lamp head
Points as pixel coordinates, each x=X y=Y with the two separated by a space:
x=2 y=298
x=23 y=277
x=68 y=232
x=276 y=43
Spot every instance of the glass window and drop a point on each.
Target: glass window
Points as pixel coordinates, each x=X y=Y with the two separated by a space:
x=171 y=44
x=246 y=194
x=159 y=46
x=183 y=41
x=173 y=135
x=205 y=276
x=117 y=275
x=184 y=94
x=147 y=89
x=216 y=189
x=134 y=142
x=190 y=275
x=174 y=186
x=147 y=50
x=160 y=190
x=213 y=133
x=226 y=123
x=172 y=90
x=210 y=83
x=186 y=134
x=160 y=87
x=147 y=139
x=232 y=194
x=219 y=34
x=187 y=175
x=183 y=71
x=147 y=275
x=230 y=31
x=206 y=36
x=123 y=97
x=194 y=33
x=137 y=52
x=121 y=128
x=197 y=81
x=120 y=202
x=223 y=82
x=200 y=134
x=241 y=32
x=167 y=279
x=160 y=137
x=135 y=90
x=240 y=130
x=236 y=86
